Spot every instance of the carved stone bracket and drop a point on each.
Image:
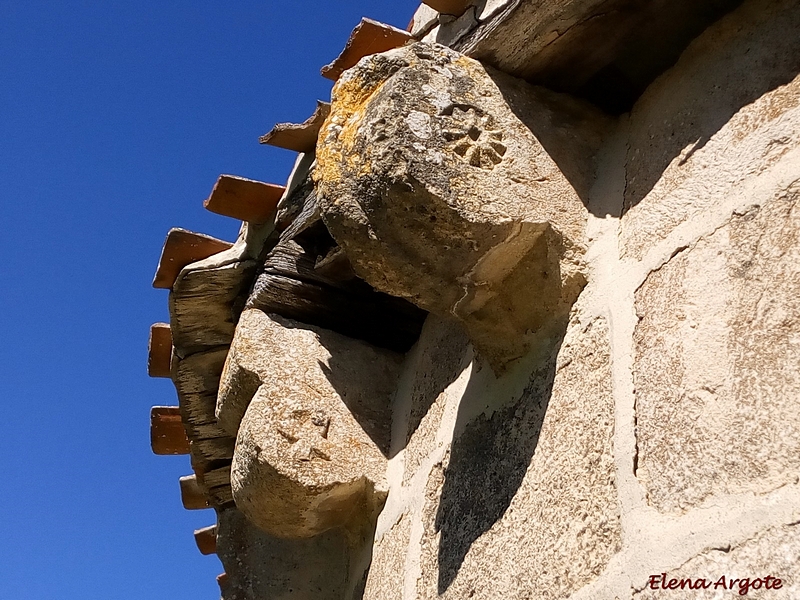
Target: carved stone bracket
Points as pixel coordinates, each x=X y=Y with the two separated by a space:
x=460 y=189
x=312 y=412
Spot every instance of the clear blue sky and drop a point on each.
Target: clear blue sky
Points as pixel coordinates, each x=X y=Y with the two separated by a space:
x=115 y=120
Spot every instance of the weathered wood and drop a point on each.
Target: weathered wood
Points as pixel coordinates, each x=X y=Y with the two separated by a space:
x=298 y=137
x=221 y=496
x=167 y=435
x=449 y=7
x=218 y=483
x=205 y=305
x=369 y=37
x=213 y=449
x=291 y=287
x=335 y=265
x=216 y=477
x=301 y=197
x=192 y=495
x=182 y=248
x=244 y=199
x=307 y=217
x=196 y=382
x=206 y=540
x=159 y=352
x=605 y=50
x=201 y=466
x=198 y=409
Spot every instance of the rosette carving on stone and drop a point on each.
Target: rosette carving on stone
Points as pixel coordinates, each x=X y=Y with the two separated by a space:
x=462 y=190
x=473 y=138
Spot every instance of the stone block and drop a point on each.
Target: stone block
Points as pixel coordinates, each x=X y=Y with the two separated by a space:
x=259 y=566
x=386 y=575
x=441 y=356
x=424 y=19
x=722 y=116
x=717 y=361
x=311 y=448
x=449 y=7
x=460 y=189
x=525 y=504
x=775 y=553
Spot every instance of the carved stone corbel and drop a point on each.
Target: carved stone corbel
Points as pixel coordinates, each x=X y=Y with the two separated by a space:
x=460 y=189
x=312 y=410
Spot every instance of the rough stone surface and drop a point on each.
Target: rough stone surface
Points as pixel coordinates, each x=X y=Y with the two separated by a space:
x=717 y=369
x=259 y=566
x=725 y=113
x=525 y=504
x=385 y=580
x=424 y=19
x=605 y=50
x=442 y=354
x=460 y=189
x=774 y=552
x=310 y=450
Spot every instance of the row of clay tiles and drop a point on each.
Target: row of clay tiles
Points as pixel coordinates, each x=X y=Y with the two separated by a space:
x=192 y=351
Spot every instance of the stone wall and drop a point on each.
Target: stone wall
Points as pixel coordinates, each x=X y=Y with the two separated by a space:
x=660 y=432
x=498 y=343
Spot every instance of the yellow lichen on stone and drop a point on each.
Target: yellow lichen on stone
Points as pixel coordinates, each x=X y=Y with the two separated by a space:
x=336 y=142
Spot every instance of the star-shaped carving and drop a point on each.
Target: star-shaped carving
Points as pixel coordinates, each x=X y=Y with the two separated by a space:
x=473 y=139
x=307 y=433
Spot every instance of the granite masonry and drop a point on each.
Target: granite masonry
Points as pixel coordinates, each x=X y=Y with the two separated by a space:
x=523 y=323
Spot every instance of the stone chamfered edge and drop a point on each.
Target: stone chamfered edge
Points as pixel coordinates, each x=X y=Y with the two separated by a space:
x=369 y=37
x=244 y=199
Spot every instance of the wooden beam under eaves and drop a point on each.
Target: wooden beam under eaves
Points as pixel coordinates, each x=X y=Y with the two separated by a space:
x=182 y=248
x=244 y=199
x=369 y=37
x=167 y=435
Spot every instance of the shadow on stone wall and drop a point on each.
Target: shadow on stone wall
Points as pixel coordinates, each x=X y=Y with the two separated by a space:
x=570 y=130
x=488 y=461
x=367 y=396
x=441 y=360
x=748 y=54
